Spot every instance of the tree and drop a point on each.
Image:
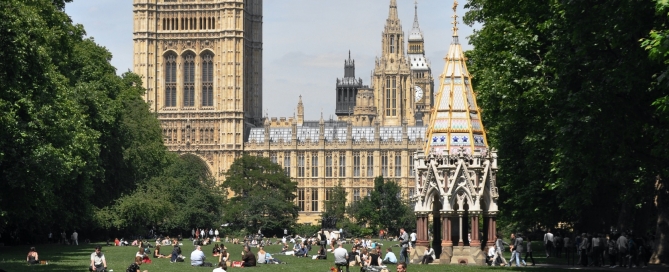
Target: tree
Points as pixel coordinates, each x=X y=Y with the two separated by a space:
x=335 y=207
x=185 y=196
x=68 y=124
x=263 y=195
x=384 y=208
x=567 y=95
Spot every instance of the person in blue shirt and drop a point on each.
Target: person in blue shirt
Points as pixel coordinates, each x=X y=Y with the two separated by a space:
x=390 y=257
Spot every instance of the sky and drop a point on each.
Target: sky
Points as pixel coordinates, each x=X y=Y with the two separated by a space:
x=305 y=43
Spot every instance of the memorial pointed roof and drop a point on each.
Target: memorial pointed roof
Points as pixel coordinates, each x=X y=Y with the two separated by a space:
x=456 y=119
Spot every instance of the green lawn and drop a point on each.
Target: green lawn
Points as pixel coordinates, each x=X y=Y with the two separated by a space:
x=76 y=258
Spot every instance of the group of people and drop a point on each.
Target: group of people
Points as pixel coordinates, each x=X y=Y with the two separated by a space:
x=520 y=244
x=367 y=260
x=594 y=249
x=74 y=238
x=211 y=233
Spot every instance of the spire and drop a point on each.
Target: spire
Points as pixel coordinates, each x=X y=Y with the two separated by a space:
x=349 y=66
x=416 y=34
x=455 y=22
x=456 y=123
x=392 y=14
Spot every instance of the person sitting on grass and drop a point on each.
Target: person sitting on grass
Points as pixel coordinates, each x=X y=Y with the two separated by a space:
x=156 y=253
x=224 y=256
x=98 y=261
x=32 y=258
x=322 y=254
x=373 y=259
x=197 y=258
x=302 y=252
x=134 y=267
x=221 y=267
x=248 y=258
x=215 y=251
x=261 y=255
x=341 y=256
x=143 y=255
x=271 y=260
x=284 y=249
x=390 y=257
x=354 y=257
x=176 y=254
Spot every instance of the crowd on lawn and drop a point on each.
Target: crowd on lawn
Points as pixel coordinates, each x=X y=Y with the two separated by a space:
x=365 y=254
x=587 y=249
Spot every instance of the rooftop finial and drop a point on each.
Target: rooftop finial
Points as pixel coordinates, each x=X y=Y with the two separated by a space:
x=455 y=18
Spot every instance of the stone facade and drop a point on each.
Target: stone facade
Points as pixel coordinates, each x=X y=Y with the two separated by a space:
x=201 y=61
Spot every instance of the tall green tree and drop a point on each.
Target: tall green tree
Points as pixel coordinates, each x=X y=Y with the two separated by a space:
x=384 y=208
x=566 y=93
x=69 y=126
x=263 y=196
x=183 y=197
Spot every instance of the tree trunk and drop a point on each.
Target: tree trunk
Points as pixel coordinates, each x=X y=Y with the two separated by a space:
x=661 y=250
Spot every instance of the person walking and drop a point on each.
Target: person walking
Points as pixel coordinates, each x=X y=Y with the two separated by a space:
x=518 y=248
x=585 y=244
x=548 y=243
x=499 y=248
x=404 y=242
x=621 y=244
x=568 y=248
x=75 y=238
x=192 y=233
x=528 y=251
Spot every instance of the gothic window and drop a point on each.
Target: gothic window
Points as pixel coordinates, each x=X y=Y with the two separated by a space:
x=356 y=164
x=370 y=164
x=272 y=157
x=356 y=194
x=300 y=199
x=392 y=43
x=411 y=174
x=300 y=164
x=314 y=164
x=391 y=96
x=342 y=164
x=314 y=200
x=189 y=80
x=384 y=164
x=398 y=165
x=171 y=80
x=286 y=164
x=328 y=194
x=328 y=165
x=208 y=80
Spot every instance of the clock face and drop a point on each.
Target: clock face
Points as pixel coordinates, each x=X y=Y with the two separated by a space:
x=418 y=93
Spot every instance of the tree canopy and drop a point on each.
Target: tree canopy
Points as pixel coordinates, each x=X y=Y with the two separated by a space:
x=263 y=196
x=384 y=208
x=69 y=126
x=570 y=100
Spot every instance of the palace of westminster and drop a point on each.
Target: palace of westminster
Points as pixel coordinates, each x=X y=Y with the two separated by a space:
x=201 y=62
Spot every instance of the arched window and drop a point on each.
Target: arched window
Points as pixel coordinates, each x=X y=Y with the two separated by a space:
x=170 y=80
x=189 y=79
x=207 y=79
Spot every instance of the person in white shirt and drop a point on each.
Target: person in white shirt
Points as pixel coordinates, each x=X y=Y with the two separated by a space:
x=98 y=261
x=75 y=238
x=221 y=267
x=491 y=254
x=216 y=233
x=197 y=257
x=413 y=239
x=548 y=242
x=428 y=256
x=341 y=256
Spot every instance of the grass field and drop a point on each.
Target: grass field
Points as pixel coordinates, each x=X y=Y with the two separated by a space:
x=76 y=258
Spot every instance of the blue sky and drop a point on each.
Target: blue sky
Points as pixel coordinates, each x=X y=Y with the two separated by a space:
x=305 y=43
